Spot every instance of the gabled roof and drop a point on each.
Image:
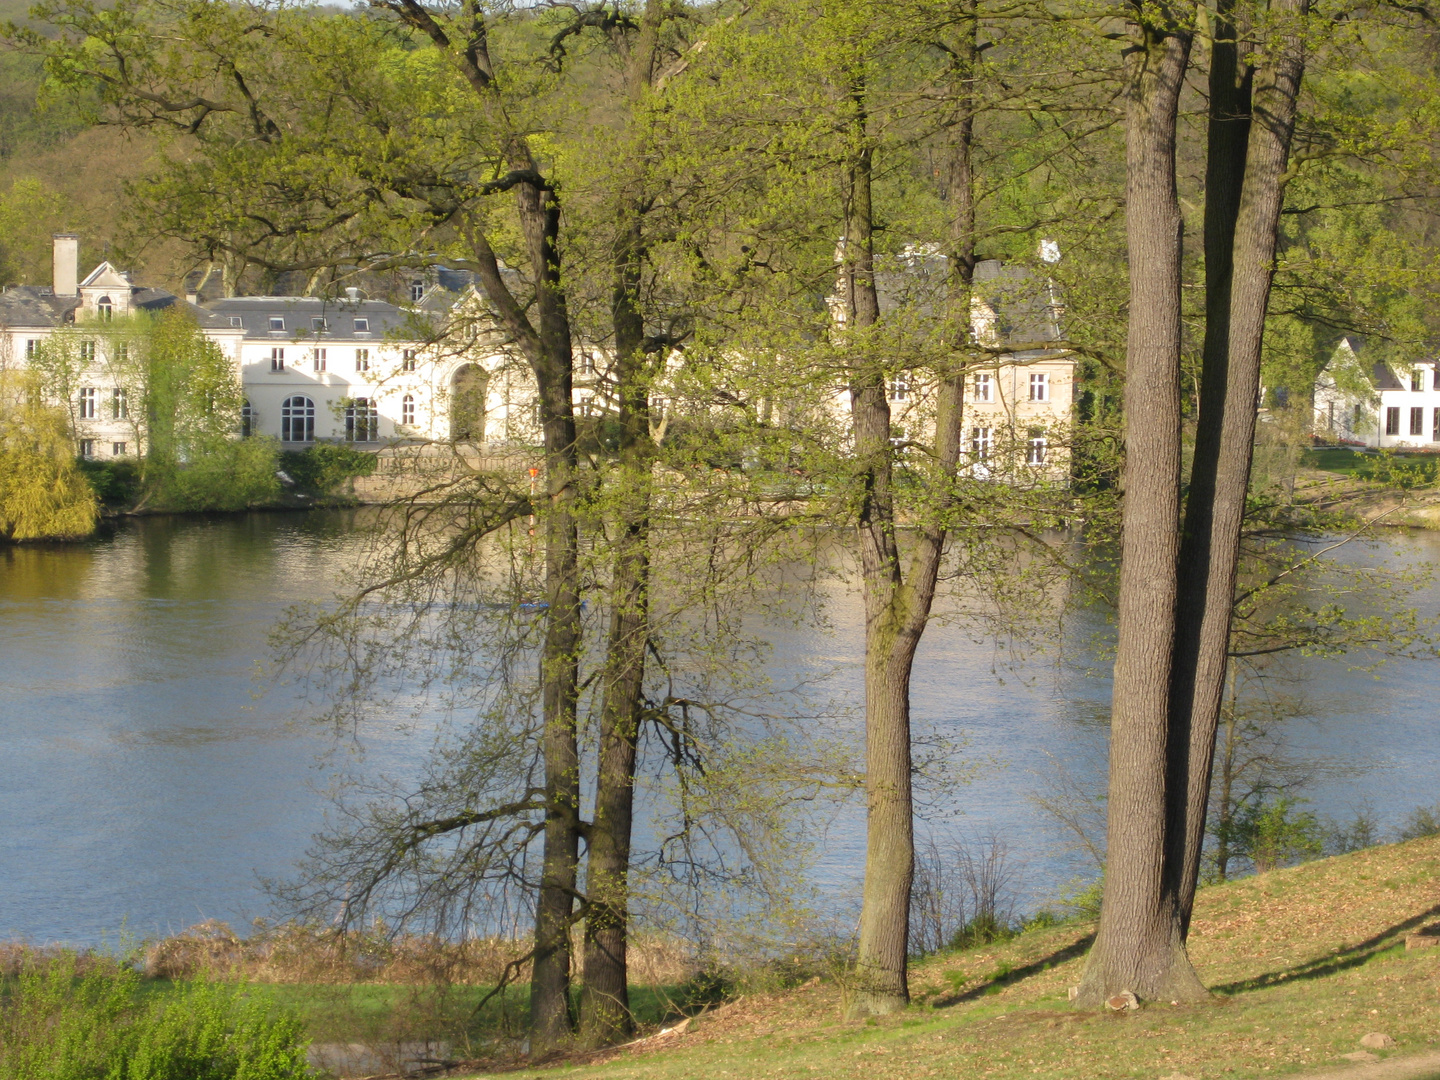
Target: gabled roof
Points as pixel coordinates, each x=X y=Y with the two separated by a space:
x=106 y=276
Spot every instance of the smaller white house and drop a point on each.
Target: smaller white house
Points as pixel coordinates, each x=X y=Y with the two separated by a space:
x=1383 y=406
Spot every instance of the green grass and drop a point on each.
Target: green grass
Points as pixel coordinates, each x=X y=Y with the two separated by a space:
x=1302 y=963
x=1334 y=459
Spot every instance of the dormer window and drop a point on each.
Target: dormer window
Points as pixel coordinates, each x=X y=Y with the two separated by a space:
x=417 y=291
x=277 y=323
x=362 y=326
x=235 y=320
x=104 y=308
x=318 y=326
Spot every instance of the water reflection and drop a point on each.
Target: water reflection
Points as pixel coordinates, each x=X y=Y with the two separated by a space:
x=145 y=775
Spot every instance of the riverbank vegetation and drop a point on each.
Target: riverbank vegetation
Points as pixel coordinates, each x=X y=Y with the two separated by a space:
x=762 y=212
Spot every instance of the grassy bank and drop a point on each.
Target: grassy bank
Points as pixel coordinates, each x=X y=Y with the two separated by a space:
x=1304 y=962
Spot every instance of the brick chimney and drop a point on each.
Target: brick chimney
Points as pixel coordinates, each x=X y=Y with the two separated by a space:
x=66 y=280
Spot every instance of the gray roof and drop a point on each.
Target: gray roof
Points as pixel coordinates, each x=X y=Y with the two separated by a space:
x=1384 y=378
x=37 y=306
x=316 y=317
x=1025 y=305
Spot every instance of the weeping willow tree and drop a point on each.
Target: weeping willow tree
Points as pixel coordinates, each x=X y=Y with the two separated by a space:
x=43 y=495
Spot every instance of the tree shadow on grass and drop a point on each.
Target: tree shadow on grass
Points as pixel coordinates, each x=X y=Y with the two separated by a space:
x=1342 y=959
x=1009 y=978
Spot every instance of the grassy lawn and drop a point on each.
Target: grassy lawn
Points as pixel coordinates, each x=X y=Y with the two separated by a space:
x=1303 y=962
x=1337 y=459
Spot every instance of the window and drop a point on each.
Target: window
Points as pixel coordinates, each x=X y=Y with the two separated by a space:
x=407 y=410
x=87 y=448
x=362 y=359
x=31 y=347
x=247 y=419
x=980 y=442
x=122 y=351
x=87 y=403
x=1417 y=378
x=1392 y=421
x=417 y=291
x=984 y=388
x=362 y=421
x=87 y=352
x=297 y=419
x=277 y=359
x=318 y=326
x=104 y=308
x=1435 y=431
x=319 y=356
x=277 y=324
x=362 y=326
x=117 y=449
x=1359 y=414
x=900 y=386
x=587 y=362
x=119 y=404
x=407 y=360
x=235 y=320
x=1330 y=415
x=1039 y=386
x=1035 y=448
x=1417 y=421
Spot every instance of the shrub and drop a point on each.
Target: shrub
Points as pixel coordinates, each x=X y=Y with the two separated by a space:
x=321 y=469
x=70 y=1017
x=1423 y=821
x=228 y=474
x=116 y=481
x=701 y=991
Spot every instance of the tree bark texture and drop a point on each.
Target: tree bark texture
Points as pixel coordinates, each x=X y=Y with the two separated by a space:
x=1140 y=946
x=605 y=1002
x=897 y=599
x=1227 y=428
x=1201 y=623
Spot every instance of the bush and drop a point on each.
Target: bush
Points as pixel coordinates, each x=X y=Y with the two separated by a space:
x=68 y=1017
x=116 y=481
x=704 y=989
x=1423 y=821
x=323 y=468
x=230 y=474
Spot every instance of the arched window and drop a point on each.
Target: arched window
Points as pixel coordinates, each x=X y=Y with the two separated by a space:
x=247 y=419
x=407 y=410
x=362 y=420
x=105 y=308
x=297 y=419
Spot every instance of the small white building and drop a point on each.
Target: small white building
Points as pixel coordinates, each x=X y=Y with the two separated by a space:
x=1378 y=406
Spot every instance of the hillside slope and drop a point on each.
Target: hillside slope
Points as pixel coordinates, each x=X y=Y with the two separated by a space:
x=1304 y=962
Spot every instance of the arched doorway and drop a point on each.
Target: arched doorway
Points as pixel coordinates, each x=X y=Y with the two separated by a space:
x=467 y=403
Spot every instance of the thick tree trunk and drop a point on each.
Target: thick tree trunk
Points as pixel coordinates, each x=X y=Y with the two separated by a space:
x=1140 y=946
x=1229 y=429
x=550 y=1017
x=605 y=1000
x=604 y=1009
x=1202 y=609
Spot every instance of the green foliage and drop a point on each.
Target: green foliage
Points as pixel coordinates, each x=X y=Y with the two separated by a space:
x=1423 y=821
x=42 y=493
x=322 y=468
x=1276 y=833
x=116 y=481
x=228 y=474
x=29 y=214
x=1405 y=472
x=67 y=1017
x=703 y=990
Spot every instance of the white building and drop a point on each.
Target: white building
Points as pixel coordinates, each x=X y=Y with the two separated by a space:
x=1380 y=407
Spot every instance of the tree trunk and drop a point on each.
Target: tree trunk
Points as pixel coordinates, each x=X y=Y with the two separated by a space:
x=897 y=603
x=605 y=1000
x=1249 y=211
x=1140 y=945
x=550 y=1017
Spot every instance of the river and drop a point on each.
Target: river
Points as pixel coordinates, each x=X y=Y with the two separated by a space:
x=153 y=772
